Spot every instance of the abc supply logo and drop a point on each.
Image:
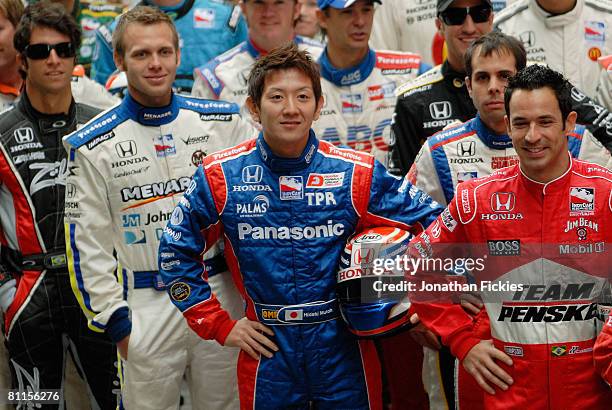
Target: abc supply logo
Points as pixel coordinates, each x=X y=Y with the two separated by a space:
x=582 y=199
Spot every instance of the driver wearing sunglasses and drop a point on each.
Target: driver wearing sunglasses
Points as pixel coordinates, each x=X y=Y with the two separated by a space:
x=42 y=51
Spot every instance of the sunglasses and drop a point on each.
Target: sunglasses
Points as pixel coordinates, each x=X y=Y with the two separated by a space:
x=41 y=51
x=455 y=16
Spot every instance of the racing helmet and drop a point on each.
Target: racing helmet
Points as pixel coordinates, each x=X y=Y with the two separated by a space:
x=369 y=308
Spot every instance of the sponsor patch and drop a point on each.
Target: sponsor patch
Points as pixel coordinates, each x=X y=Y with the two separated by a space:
x=594 y=53
x=466 y=176
x=507 y=247
x=294 y=314
x=595 y=31
x=503 y=201
x=164 y=145
x=582 y=199
x=180 y=291
x=351 y=103
x=291 y=188
x=203 y=18
x=99 y=140
x=197 y=158
x=216 y=117
x=448 y=220
x=319 y=181
x=516 y=351
x=135 y=237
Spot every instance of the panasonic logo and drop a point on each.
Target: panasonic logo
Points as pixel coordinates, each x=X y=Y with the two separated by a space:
x=246 y=230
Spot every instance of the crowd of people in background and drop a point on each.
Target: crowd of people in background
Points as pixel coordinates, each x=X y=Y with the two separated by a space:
x=109 y=108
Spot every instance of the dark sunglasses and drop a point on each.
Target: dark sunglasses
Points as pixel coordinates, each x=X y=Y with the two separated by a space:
x=455 y=16
x=41 y=51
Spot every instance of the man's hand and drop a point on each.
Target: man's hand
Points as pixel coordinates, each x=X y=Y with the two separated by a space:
x=422 y=335
x=122 y=346
x=251 y=337
x=480 y=363
x=471 y=303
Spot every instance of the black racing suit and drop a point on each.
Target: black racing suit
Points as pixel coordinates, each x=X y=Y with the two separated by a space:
x=439 y=97
x=44 y=321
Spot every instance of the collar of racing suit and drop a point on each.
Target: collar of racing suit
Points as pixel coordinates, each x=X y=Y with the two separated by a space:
x=48 y=123
x=546 y=188
x=280 y=164
x=454 y=79
x=150 y=116
x=175 y=12
x=488 y=137
x=347 y=76
x=557 y=20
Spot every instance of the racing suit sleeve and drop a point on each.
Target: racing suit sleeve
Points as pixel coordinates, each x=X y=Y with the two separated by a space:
x=406 y=136
x=596 y=118
x=423 y=174
x=591 y=150
x=196 y=227
x=89 y=250
x=435 y=309
x=396 y=202
x=604 y=89
x=201 y=88
x=103 y=65
x=602 y=352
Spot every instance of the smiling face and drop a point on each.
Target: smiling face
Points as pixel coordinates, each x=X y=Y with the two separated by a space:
x=286 y=111
x=348 y=28
x=539 y=133
x=150 y=61
x=270 y=21
x=51 y=75
x=459 y=37
x=487 y=84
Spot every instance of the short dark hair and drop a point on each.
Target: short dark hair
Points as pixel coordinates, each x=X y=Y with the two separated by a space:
x=45 y=14
x=535 y=77
x=495 y=42
x=284 y=57
x=145 y=15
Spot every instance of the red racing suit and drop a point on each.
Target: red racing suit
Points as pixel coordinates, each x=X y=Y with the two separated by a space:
x=602 y=352
x=543 y=247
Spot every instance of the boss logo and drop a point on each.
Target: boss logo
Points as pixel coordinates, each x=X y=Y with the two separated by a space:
x=510 y=247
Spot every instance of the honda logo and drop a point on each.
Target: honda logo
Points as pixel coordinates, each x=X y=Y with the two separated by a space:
x=23 y=135
x=252 y=174
x=70 y=190
x=466 y=149
x=502 y=201
x=527 y=38
x=577 y=95
x=440 y=110
x=363 y=256
x=126 y=149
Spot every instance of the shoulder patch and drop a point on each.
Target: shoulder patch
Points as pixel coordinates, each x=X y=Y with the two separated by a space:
x=105 y=31
x=307 y=41
x=208 y=71
x=429 y=77
x=100 y=125
x=229 y=153
x=510 y=11
x=600 y=5
x=448 y=135
x=388 y=60
x=208 y=107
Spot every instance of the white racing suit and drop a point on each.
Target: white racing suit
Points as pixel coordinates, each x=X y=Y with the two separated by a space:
x=569 y=43
x=128 y=169
x=225 y=76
